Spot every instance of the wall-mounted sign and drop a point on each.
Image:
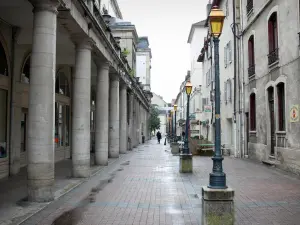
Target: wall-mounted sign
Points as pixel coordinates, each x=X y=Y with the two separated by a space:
x=207 y=108
x=294 y=114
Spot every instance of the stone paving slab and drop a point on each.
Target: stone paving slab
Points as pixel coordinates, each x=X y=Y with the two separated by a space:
x=145 y=187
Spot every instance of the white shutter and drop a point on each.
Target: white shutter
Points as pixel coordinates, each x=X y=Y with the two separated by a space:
x=229 y=90
x=229 y=52
x=225 y=92
x=225 y=56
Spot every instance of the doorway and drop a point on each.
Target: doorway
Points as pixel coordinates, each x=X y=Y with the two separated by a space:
x=272 y=119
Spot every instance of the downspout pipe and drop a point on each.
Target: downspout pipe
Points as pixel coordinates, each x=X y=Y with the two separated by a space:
x=234 y=60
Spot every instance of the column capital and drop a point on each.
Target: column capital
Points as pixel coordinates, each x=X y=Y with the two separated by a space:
x=104 y=65
x=82 y=42
x=45 y=5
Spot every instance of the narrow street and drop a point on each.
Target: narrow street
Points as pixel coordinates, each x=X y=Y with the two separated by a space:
x=145 y=187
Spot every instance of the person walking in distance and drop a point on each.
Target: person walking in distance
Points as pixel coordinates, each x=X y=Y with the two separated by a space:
x=158 y=135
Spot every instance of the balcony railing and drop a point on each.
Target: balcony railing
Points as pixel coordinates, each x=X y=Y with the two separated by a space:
x=273 y=57
x=251 y=70
x=249 y=6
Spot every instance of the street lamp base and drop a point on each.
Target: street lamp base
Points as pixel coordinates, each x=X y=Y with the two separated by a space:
x=217 y=180
x=186 y=163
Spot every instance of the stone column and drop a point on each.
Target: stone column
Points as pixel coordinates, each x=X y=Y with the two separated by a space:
x=114 y=124
x=81 y=108
x=102 y=109
x=130 y=133
x=123 y=119
x=40 y=140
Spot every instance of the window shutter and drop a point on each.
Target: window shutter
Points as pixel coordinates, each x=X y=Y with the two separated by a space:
x=225 y=56
x=229 y=52
x=229 y=90
x=225 y=92
x=271 y=38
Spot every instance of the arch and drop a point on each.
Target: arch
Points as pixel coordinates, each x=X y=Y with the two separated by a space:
x=273 y=10
x=62 y=86
x=4 y=58
x=25 y=71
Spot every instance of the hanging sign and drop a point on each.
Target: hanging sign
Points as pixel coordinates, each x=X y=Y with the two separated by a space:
x=294 y=114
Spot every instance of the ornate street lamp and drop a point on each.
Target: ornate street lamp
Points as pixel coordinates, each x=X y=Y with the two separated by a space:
x=186 y=159
x=188 y=90
x=217 y=179
x=175 y=133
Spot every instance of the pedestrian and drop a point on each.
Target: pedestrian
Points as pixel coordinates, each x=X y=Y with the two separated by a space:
x=158 y=135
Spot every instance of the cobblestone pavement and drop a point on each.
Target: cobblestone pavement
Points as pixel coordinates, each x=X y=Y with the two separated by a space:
x=145 y=187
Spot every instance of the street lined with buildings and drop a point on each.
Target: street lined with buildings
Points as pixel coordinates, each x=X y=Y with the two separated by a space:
x=145 y=187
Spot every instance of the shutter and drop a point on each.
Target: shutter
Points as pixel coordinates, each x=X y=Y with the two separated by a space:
x=225 y=56
x=230 y=51
x=271 y=37
x=225 y=92
x=229 y=90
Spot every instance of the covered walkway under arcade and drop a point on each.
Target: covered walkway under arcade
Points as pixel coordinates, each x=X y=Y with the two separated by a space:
x=65 y=95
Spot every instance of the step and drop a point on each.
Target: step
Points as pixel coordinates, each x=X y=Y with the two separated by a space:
x=271 y=162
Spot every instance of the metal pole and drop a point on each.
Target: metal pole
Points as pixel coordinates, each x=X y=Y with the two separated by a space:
x=175 y=133
x=217 y=179
x=186 y=149
x=172 y=134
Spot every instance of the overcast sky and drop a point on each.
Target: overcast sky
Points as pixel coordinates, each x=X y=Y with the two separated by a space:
x=167 y=23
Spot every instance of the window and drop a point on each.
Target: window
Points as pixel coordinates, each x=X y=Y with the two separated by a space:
x=226 y=9
x=61 y=85
x=204 y=103
x=251 y=57
x=273 y=39
x=252 y=112
x=25 y=76
x=249 y=6
x=3 y=61
x=225 y=56
x=3 y=123
x=281 y=107
x=229 y=52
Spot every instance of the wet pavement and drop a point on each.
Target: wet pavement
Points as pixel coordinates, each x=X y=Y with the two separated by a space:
x=145 y=187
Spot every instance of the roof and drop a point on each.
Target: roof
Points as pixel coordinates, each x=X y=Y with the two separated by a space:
x=194 y=25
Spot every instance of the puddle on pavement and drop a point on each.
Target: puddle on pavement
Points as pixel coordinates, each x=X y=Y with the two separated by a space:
x=75 y=215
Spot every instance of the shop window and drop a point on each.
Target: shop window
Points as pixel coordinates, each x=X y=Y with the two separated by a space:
x=3 y=123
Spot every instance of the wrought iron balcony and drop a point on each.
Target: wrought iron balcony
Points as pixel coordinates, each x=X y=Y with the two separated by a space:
x=249 y=6
x=273 y=57
x=251 y=70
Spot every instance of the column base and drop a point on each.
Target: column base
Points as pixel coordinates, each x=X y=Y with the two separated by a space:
x=81 y=171
x=40 y=194
x=186 y=163
x=217 y=206
x=114 y=155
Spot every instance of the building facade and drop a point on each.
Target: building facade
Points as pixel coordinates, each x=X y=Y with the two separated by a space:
x=162 y=106
x=143 y=64
x=65 y=91
x=270 y=43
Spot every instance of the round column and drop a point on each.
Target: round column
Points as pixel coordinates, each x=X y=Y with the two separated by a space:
x=114 y=123
x=40 y=139
x=102 y=116
x=123 y=119
x=81 y=109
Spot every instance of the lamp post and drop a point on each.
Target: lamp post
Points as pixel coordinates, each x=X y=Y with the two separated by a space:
x=175 y=133
x=188 y=90
x=217 y=178
x=172 y=124
x=169 y=119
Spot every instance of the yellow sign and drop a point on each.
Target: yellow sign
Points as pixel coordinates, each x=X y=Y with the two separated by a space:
x=294 y=114
x=217 y=116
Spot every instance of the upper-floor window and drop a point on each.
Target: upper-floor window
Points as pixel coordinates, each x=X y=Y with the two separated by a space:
x=251 y=57
x=249 y=6
x=227 y=91
x=273 y=38
x=227 y=54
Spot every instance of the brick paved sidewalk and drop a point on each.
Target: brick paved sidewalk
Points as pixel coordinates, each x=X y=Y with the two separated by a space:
x=145 y=187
